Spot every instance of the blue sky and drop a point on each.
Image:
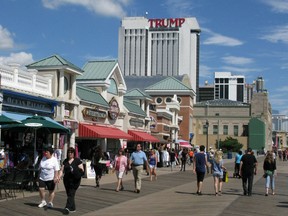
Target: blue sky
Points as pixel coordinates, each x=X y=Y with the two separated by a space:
x=244 y=37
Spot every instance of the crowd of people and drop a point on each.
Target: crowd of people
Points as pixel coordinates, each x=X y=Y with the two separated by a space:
x=72 y=169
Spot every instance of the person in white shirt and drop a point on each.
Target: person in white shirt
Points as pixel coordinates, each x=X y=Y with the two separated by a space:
x=49 y=168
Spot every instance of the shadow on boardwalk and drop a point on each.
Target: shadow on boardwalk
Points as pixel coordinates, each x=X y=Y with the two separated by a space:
x=172 y=194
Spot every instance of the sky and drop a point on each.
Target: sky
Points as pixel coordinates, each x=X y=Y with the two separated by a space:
x=244 y=37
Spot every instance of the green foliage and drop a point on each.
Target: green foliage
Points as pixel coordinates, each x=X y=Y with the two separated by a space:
x=230 y=144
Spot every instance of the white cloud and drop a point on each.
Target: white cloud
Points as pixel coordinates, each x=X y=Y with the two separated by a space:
x=21 y=58
x=279 y=6
x=205 y=71
x=221 y=40
x=283 y=89
x=113 y=8
x=234 y=60
x=6 y=40
x=179 y=7
x=240 y=69
x=279 y=34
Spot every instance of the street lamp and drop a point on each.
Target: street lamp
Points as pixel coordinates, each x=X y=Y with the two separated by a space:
x=207 y=126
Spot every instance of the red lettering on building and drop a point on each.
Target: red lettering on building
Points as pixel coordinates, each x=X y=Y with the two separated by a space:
x=166 y=23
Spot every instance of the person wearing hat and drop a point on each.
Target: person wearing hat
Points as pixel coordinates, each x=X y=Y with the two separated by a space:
x=48 y=177
x=120 y=167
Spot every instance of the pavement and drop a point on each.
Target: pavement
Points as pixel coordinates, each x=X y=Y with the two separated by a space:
x=173 y=193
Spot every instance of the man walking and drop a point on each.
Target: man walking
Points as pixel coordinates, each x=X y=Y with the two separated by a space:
x=137 y=160
x=248 y=168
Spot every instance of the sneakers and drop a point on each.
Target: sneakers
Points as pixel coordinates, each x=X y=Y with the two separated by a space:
x=42 y=204
x=69 y=211
x=50 y=205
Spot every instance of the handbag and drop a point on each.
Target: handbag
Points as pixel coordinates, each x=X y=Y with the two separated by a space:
x=225 y=176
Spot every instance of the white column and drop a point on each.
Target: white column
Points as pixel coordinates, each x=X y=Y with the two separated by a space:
x=73 y=81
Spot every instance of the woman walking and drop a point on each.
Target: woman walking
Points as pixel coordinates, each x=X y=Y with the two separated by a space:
x=269 y=167
x=217 y=168
x=97 y=155
x=72 y=169
x=120 y=166
x=153 y=164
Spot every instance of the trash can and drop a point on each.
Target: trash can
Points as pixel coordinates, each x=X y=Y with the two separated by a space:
x=229 y=155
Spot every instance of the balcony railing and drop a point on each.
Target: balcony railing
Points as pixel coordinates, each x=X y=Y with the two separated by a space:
x=13 y=77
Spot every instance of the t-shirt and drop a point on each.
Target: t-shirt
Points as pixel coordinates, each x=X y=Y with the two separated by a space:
x=200 y=159
x=48 y=168
x=69 y=168
x=249 y=162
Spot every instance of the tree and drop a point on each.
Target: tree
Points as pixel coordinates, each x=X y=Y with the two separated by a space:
x=230 y=144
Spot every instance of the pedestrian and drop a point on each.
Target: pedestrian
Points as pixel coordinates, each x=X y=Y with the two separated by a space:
x=48 y=177
x=72 y=171
x=184 y=156
x=238 y=157
x=153 y=164
x=172 y=157
x=97 y=157
x=248 y=168
x=137 y=160
x=120 y=167
x=217 y=167
x=199 y=167
x=269 y=167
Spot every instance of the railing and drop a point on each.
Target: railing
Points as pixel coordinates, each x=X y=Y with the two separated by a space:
x=25 y=80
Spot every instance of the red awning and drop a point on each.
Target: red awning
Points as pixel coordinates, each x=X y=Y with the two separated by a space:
x=96 y=131
x=142 y=136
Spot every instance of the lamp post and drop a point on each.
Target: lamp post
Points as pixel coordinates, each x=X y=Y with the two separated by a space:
x=207 y=126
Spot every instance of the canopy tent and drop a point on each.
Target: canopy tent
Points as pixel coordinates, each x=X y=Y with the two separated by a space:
x=6 y=120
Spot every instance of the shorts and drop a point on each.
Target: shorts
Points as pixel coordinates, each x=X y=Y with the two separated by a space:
x=119 y=174
x=50 y=185
x=218 y=175
x=200 y=176
x=152 y=166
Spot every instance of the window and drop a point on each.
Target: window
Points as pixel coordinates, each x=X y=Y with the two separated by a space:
x=215 y=129
x=66 y=84
x=159 y=100
x=179 y=100
x=205 y=129
x=225 y=129
x=236 y=130
x=168 y=100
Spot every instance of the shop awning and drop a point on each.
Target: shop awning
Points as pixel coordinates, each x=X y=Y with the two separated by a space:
x=96 y=131
x=142 y=136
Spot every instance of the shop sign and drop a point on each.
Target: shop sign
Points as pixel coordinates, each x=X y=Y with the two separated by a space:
x=70 y=124
x=136 y=122
x=153 y=122
x=94 y=113
x=166 y=23
x=26 y=103
x=114 y=110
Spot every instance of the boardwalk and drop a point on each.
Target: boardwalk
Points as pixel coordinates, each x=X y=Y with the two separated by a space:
x=172 y=194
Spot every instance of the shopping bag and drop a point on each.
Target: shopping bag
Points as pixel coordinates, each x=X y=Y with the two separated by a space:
x=225 y=176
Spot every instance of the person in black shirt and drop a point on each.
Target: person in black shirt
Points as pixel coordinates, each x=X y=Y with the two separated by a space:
x=73 y=169
x=248 y=168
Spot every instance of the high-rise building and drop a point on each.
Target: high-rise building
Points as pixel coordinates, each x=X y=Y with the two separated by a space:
x=230 y=87
x=166 y=47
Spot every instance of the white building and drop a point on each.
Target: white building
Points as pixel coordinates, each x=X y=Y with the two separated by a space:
x=229 y=86
x=167 y=47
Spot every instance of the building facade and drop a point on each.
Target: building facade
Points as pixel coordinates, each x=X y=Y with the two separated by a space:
x=229 y=87
x=166 y=47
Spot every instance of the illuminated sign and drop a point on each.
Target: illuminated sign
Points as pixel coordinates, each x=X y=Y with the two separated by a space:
x=166 y=23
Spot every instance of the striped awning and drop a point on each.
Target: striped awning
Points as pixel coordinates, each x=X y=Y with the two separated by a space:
x=142 y=136
x=97 y=131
